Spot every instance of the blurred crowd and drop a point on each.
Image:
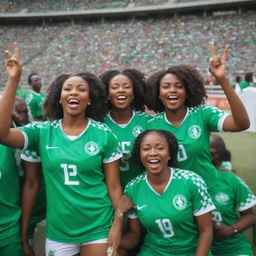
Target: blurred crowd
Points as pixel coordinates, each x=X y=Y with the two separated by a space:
x=66 y=5
x=147 y=44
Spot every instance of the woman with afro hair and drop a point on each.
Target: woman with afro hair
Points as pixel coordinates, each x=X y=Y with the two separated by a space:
x=80 y=161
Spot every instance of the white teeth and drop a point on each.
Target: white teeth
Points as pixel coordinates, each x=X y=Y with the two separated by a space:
x=73 y=101
x=154 y=161
x=172 y=98
x=121 y=97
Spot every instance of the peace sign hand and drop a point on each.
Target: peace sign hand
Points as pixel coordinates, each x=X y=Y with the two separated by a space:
x=218 y=64
x=13 y=63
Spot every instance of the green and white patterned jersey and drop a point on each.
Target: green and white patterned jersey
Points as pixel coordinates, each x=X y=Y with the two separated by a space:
x=169 y=218
x=35 y=103
x=10 y=210
x=193 y=136
x=127 y=135
x=230 y=196
x=39 y=211
x=78 y=206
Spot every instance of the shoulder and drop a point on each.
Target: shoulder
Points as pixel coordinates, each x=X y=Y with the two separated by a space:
x=157 y=117
x=142 y=115
x=188 y=177
x=136 y=181
x=99 y=125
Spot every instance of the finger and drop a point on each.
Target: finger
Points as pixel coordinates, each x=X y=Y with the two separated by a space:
x=7 y=54
x=225 y=52
x=16 y=50
x=213 y=49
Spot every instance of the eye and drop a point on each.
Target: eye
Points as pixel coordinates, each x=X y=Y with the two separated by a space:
x=145 y=149
x=180 y=86
x=164 y=86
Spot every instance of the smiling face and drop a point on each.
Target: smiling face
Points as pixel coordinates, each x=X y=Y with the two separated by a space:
x=75 y=96
x=172 y=93
x=154 y=153
x=120 y=92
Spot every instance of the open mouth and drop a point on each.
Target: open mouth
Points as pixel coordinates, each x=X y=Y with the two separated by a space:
x=73 y=102
x=121 y=97
x=173 y=98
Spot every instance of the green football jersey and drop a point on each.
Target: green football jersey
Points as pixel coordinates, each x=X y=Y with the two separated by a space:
x=78 y=206
x=169 y=218
x=35 y=103
x=39 y=211
x=127 y=135
x=230 y=196
x=10 y=210
x=193 y=136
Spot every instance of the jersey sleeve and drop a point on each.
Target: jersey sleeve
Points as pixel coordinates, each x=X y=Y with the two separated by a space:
x=245 y=199
x=30 y=156
x=214 y=118
x=112 y=149
x=31 y=135
x=201 y=200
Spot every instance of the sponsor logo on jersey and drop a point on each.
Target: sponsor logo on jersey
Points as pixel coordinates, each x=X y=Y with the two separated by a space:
x=195 y=132
x=222 y=198
x=179 y=202
x=141 y=207
x=92 y=148
x=137 y=130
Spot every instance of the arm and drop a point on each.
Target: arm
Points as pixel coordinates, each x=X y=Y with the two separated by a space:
x=29 y=193
x=132 y=236
x=238 y=120
x=204 y=223
x=10 y=136
x=111 y=172
x=247 y=219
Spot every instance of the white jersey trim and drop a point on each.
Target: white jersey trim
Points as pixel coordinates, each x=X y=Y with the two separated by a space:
x=248 y=206
x=166 y=187
x=205 y=210
x=112 y=159
x=167 y=121
x=121 y=125
x=71 y=137
x=30 y=159
x=25 y=146
x=221 y=122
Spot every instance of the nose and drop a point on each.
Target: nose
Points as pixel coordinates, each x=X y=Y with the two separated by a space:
x=152 y=151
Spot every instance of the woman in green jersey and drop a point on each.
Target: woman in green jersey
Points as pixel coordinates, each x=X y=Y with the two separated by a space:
x=126 y=117
x=79 y=159
x=179 y=94
x=234 y=203
x=172 y=204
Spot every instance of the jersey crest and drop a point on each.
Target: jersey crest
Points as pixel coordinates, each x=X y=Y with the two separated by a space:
x=195 y=132
x=222 y=198
x=91 y=148
x=179 y=202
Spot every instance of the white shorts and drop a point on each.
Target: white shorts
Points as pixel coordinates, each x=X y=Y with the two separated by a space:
x=53 y=248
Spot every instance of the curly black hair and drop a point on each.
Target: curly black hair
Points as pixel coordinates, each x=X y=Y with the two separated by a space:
x=190 y=78
x=138 y=82
x=170 y=138
x=97 y=109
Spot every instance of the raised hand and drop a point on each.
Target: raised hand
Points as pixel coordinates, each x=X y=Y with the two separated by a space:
x=13 y=62
x=218 y=63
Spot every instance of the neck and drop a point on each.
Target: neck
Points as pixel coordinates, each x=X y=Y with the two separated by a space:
x=177 y=116
x=121 y=116
x=74 y=125
x=159 y=182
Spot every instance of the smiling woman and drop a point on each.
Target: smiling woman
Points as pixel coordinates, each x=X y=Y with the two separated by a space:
x=172 y=204
x=79 y=159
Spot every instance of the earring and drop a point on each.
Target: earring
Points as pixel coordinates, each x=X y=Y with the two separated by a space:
x=89 y=103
